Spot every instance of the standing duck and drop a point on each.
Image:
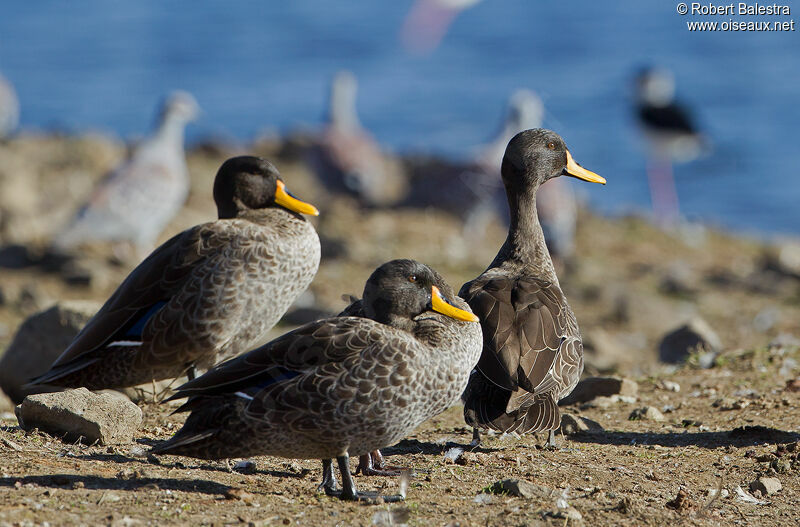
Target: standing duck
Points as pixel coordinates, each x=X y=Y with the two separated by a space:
x=209 y=293
x=339 y=386
x=135 y=201
x=532 y=352
x=347 y=158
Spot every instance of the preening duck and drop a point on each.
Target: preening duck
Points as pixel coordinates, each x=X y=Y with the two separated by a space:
x=340 y=386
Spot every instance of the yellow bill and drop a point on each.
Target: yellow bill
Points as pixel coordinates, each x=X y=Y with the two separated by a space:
x=575 y=170
x=283 y=199
x=440 y=304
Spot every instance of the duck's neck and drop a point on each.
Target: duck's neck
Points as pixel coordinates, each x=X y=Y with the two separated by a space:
x=525 y=248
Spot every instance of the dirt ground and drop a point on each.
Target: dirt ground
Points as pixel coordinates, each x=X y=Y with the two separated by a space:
x=630 y=284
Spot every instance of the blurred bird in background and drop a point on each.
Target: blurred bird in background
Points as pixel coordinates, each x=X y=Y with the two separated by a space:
x=347 y=158
x=9 y=108
x=135 y=202
x=671 y=134
x=427 y=22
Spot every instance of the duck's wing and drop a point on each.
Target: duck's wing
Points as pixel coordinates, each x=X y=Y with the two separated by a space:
x=318 y=343
x=177 y=282
x=525 y=324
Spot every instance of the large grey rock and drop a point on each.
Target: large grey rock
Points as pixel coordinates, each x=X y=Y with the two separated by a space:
x=679 y=343
x=38 y=342
x=592 y=387
x=107 y=417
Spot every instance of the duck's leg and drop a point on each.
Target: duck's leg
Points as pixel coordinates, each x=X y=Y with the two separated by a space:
x=372 y=465
x=191 y=373
x=328 y=485
x=349 y=491
x=551 y=439
x=476 y=438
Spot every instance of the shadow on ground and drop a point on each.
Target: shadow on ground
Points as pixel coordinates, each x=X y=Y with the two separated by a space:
x=738 y=437
x=96 y=482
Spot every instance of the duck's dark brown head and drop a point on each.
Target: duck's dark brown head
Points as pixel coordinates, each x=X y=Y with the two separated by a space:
x=247 y=182
x=534 y=156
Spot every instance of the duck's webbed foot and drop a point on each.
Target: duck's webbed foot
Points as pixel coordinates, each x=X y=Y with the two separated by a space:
x=349 y=491
x=328 y=485
x=372 y=464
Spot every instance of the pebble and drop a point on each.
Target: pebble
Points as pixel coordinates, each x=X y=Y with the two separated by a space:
x=646 y=413
x=74 y=414
x=670 y=386
x=766 y=486
x=245 y=467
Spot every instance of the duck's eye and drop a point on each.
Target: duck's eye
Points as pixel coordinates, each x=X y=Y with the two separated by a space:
x=412 y=278
x=551 y=145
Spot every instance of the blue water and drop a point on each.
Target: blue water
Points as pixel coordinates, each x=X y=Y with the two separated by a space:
x=260 y=65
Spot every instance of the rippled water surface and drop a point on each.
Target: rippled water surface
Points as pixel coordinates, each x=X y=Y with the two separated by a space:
x=257 y=66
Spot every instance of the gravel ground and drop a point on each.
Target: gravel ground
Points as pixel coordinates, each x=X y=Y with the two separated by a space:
x=631 y=283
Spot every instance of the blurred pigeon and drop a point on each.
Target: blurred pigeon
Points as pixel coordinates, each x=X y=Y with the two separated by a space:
x=347 y=159
x=136 y=200
x=9 y=108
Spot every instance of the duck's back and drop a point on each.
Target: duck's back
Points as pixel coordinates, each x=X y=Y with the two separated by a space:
x=532 y=353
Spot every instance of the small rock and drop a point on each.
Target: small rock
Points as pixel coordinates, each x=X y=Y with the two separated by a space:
x=679 y=280
x=239 y=494
x=569 y=513
x=793 y=385
x=646 y=413
x=592 y=387
x=572 y=424
x=670 y=386
x=75 y=414
x=681 y=502
x=767 y=486
x=520 y=488
x=781 y=465
x=697 y=335
x=39 y=341
x=245 y=467
x=483 y=498
x=785 y=341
